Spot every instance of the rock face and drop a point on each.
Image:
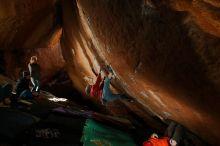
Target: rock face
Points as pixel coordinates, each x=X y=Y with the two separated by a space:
x=29 y=28
x=28 y=24
x=203 y=12
x=50 y=59
x=165 y=53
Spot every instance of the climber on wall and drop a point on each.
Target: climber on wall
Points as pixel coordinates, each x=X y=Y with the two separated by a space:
x=34 y=70
x=95 y=90
x=172 y=136
x=22 y=86
x=101 y=88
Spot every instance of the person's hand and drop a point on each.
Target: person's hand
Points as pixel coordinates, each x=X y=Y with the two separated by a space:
x=103 y=74
x=173 y=142
x=100 y=70
x=110 y=76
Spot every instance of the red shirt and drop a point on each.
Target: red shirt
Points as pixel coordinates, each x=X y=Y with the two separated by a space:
x=96 y=89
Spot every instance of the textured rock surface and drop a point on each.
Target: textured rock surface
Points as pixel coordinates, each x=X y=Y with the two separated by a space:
x=26 y=23
x=50 y=60
x=162 y=56
x=165 y=53
x=204 y=12
x=29 y=28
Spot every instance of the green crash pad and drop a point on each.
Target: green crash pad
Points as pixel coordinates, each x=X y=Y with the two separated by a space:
x=97 y=134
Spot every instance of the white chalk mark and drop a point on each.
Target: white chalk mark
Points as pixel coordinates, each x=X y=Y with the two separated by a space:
x=157 y=98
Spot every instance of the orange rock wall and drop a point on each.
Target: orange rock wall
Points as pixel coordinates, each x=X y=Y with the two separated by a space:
x=30 y=27
x=164 y=53
x=161 y=55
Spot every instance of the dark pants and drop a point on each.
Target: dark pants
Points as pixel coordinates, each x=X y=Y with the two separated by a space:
x=175 y=132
